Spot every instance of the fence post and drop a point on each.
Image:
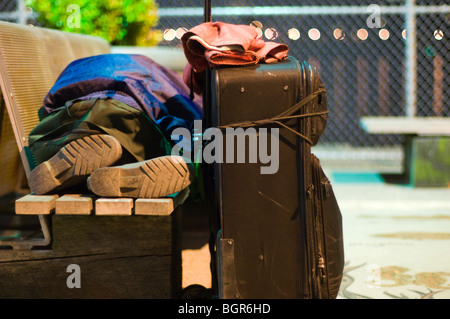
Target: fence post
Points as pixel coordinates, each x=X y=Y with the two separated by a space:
x=411 y=59
x=22 y=16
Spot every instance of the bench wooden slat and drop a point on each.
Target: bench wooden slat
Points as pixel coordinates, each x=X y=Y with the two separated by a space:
x=86 y=204
x=114 y=206
x=160 y=206
x=154 y=206
x=74 y=204
x=36 y=204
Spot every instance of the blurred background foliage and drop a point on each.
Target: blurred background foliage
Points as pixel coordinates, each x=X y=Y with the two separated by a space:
x=120 y=22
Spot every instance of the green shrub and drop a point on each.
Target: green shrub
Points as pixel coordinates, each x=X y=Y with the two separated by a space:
x=120 y=22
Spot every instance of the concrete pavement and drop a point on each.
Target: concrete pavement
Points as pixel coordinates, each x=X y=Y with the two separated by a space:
x=396 y=239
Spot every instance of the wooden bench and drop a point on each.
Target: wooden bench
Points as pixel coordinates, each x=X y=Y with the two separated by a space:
x=426 y=146
x=124 y=248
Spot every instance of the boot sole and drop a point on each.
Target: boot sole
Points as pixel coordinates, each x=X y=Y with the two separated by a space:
x=154 y=178
x=74 y=163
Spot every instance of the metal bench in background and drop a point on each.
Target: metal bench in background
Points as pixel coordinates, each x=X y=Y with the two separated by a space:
x=131 y=251
x=426 y=146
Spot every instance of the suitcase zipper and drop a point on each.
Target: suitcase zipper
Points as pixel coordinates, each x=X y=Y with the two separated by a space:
x=318 y=228
x=318 y=259
x=318 y=208
x=321 y=267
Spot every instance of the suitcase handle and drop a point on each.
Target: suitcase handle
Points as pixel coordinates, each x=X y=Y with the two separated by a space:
x=207 y=11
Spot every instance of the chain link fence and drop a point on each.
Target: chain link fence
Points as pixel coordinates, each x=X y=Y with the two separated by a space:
x=14 y=11
x=359 y=47
x=362 y=60
x=9 y=6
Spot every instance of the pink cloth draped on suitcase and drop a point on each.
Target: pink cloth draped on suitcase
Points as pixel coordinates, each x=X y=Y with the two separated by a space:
x=211 y=44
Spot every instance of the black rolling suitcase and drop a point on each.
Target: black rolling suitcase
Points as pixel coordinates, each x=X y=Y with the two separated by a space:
x=276 y=229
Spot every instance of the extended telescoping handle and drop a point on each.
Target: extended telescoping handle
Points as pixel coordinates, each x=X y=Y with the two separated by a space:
x=207 y=17
x=207 y=11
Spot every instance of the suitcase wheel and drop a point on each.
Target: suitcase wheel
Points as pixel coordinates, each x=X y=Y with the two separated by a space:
x=196 y=292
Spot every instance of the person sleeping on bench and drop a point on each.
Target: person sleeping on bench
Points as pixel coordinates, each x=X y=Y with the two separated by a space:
x=105 y=126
